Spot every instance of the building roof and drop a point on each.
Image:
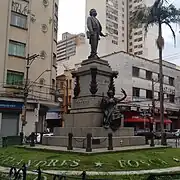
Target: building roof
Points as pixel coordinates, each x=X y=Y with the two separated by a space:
x=152 y=61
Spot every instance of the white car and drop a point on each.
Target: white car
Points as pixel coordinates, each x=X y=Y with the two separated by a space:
x=39 y=136
x=176 y=132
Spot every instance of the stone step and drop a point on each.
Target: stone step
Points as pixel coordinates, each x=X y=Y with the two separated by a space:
x=97 y=142
x=96 y=131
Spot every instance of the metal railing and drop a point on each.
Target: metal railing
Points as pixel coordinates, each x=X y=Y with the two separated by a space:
x=164 y=176
x=23 y=174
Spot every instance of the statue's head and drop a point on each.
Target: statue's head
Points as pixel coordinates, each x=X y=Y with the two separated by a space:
x=110 y=93
x=93 y=12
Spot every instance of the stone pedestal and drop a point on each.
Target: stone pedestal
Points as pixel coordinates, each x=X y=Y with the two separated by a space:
x=92 y=82
x=86 y=110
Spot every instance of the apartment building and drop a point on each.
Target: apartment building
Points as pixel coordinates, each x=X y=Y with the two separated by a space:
x=28 y=29
x=114 y=16
x=67 y=46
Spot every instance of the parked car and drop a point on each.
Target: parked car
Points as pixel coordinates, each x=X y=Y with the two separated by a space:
x=176 y=132
x=169 y=134
x=39 y=136
x=142 y=132
x=37 y=139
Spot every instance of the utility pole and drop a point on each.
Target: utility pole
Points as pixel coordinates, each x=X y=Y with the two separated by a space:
x=29 y=61
x=67 y=97
x=153 y=102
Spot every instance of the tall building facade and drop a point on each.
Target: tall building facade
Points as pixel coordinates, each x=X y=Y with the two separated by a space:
x=114 y=16
x=67 y=46
x=28 y=28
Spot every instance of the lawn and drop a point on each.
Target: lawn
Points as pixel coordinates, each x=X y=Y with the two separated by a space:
x=134 y=160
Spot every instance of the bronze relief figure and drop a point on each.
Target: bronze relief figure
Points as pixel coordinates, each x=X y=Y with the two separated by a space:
x=112 y=115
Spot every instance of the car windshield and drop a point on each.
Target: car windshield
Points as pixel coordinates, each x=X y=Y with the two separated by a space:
x=175 y=130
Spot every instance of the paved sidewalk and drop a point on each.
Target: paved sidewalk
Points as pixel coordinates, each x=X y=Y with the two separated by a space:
x=94 y=151
x=95 y=173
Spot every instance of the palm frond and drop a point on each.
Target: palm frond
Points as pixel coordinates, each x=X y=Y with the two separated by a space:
x=173 y=33
x=161 y=12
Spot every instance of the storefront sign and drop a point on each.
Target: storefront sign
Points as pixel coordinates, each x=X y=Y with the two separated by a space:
x=10 y=105
x=53 y=115
x=20 y=7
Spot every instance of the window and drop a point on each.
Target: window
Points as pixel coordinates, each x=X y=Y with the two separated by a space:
x=138 y=39
x=18 y=20
x=135 y=72
x=171 y=81
x=14 y=78
x=16 y=48
x=149 y=75
x=114 y=42
x=171 y=98
x=138 y=53
x=148 y=94
x=136 y=92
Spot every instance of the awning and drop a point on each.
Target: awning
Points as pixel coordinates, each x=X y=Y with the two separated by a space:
x=136 y=119
x=54 y=109
x=139 y=119
x=166 y=121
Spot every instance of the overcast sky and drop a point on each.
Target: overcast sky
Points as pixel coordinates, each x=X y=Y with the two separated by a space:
x=72 y=19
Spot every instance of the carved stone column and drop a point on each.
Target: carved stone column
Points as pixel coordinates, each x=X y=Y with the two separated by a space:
x=77 y=85
x=111 y=84
x=93 y=85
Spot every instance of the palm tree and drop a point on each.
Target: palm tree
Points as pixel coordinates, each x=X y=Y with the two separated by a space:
x=158 y=14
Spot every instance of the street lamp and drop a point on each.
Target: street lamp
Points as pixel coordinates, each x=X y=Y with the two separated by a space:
x=47 y=70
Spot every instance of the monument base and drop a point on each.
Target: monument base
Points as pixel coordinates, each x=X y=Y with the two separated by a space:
x=122 y=137
x=92 y=82
x=83 y=119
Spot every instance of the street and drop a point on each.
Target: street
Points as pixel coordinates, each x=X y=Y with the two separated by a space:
x=171 y=142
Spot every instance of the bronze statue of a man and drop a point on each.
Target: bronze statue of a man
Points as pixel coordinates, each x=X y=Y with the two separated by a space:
x=94 y=32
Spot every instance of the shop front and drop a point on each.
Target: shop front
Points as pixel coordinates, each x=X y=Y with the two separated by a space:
x=9 y=117
x=53 y=119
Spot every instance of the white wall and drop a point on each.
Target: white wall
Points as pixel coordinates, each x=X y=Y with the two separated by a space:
x=30 y=126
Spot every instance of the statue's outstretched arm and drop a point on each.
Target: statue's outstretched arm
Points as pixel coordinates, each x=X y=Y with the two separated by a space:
x=124 y=97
